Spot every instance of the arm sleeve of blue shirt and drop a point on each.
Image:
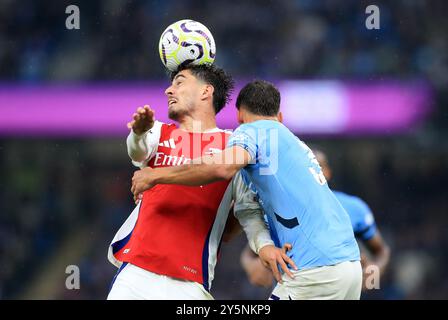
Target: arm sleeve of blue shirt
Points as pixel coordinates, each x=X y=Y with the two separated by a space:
x=364 y=226
x=245 y=137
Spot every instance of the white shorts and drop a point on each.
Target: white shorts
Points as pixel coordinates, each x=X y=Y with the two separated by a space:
x=135 y=283
x=342 y=281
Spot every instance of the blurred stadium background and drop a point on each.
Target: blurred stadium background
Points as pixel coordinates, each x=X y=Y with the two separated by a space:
x=375 y=100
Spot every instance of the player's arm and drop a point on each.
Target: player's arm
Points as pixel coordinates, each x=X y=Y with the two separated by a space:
x=250 y=215
x=261 y=243
x=140 y=141
x=379 y=251
x=205 y=170
x=366 y=230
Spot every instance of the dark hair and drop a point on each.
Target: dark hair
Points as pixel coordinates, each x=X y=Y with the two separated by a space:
x=259 y=97
x=215 y=76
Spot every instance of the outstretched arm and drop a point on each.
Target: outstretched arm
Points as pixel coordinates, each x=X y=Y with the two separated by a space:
x=141 y=142
x=208 y=169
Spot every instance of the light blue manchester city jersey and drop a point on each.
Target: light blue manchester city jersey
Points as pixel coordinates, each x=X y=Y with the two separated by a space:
x=299 y=206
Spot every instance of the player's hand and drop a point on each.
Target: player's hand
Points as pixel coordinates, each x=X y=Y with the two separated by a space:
x=365 y=263
x=256 y=272
x=142 y=180
x=271 y=256
x=142 y=120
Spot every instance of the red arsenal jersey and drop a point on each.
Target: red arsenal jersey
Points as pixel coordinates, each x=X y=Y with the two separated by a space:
x=176 y=230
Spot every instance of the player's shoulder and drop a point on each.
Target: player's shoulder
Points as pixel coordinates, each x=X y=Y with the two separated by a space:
x=161 y=124
x=226 y=132
x=264 y=128
x=346 y=196
x=164 y=129
x=254 y=132
x=248 y=129
x=354 y=202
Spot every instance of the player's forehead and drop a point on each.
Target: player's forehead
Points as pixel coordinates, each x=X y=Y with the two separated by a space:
x=184 y=74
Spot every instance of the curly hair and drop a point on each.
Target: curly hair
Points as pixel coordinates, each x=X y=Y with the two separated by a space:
x=214 y=76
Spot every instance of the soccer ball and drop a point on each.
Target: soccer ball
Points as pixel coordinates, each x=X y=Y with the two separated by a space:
x=184 y=42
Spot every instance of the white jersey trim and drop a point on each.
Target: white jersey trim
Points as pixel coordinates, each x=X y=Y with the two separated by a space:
x=123 y=234
x=146 y=144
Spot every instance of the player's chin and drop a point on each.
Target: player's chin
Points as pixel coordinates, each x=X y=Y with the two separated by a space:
x=175 y=113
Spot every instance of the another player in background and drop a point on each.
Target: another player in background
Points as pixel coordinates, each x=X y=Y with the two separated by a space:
x=168 y=247
x=299 y=206
x=363 y=224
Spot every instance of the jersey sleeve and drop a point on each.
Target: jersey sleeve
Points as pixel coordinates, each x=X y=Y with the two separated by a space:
x=245 y=137
x=141 y=148
x=243 y=196
x=364 y=225
x=250 y=215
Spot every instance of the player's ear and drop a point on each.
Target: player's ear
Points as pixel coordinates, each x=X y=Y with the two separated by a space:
x=280 y=117
x=240 y=116
x=208 y=91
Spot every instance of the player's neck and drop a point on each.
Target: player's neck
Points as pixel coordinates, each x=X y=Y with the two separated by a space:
x=249 y=117
x=197 y=122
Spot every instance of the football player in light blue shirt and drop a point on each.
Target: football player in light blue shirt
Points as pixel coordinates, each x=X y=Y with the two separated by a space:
x=286 y=177
x=363 y=224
